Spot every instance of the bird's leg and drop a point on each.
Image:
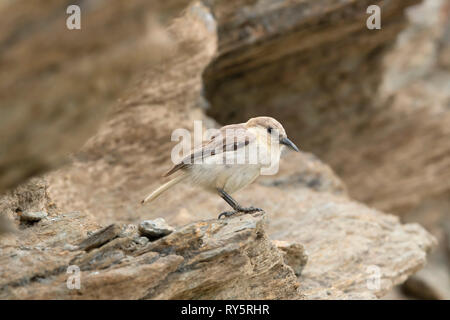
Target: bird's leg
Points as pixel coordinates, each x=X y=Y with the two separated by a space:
x=225 y=196
x=236 y=206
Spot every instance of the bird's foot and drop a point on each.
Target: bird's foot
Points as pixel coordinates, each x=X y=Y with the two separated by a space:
x=250 y=210
x=243 y=210
x=227 y=214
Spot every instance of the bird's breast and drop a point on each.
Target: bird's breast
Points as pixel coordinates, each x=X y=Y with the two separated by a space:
x=227 y=177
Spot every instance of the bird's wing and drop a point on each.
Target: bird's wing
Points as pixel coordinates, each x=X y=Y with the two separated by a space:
x=231 y=138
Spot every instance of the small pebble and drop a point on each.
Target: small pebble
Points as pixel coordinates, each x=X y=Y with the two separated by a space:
x=129 y=230
x=33 y=216
x=141 y=241
x=155 y=229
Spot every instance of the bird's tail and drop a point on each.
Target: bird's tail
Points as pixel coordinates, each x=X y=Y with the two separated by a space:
x=155 y=194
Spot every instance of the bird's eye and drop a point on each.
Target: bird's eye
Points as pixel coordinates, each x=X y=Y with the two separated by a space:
x=269 y=130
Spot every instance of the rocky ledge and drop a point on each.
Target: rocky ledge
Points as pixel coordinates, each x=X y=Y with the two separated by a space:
x=351 y=252
x=220 y=259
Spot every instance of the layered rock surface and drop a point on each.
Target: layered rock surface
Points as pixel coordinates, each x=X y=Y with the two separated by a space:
x=227 y=259
x=330 y=248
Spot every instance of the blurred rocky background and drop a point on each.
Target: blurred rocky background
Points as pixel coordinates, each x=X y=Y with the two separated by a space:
x=87 y=115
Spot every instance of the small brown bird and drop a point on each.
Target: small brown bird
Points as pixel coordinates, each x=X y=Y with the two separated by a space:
x=231 y=160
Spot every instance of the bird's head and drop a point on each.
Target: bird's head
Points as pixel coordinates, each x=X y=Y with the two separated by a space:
x=271 y=126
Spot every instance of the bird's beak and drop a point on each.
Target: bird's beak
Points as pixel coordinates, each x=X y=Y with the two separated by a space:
x=289 y=144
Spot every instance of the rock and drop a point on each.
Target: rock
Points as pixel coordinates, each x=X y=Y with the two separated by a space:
x=348 y=244
x=226 y=259
x=294 y=255
x=313 y=65
x=27 y=200
x=316 y=92
x=30 y=196
x=385 y=136
x=446 y=242
x=141 y=240
x=33 y=216
x=70 y=247
x=342 y=92
x=221 y=259
x=130 y=231
x=414 y=95
x=306 y=203
x=417 y=90
x=100 y=174
x=312 y=174
x=431 y=283
x=100 y=237
x=37 y=252
x=155 y=229
x=5 y=225
x=59 y=69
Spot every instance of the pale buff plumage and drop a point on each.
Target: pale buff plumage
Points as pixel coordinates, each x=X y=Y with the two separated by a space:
x=203 y=167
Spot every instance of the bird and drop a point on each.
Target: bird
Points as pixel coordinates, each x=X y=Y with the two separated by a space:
x=231 y=160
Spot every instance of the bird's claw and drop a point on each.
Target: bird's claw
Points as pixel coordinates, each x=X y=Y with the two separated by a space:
x=227 y=214
x=250 y=210
x=243 y=210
